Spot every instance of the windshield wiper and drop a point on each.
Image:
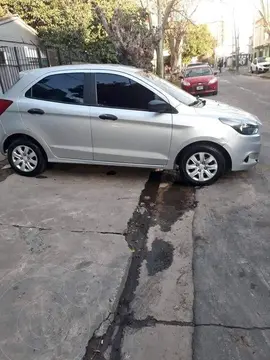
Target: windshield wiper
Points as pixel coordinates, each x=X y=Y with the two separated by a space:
x=197 y=102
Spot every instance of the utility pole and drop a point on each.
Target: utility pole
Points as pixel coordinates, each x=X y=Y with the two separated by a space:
x=236 y=41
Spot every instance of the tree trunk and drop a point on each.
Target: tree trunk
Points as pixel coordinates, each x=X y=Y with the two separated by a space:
x=160 y=59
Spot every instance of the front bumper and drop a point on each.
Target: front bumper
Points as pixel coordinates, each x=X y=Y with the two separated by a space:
x=263 y=69
x=207 y=89
x=244 y=152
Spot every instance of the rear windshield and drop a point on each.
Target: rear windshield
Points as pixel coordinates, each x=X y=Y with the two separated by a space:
x=194 y=72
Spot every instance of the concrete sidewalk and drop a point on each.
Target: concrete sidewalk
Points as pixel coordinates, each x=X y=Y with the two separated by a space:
x=63 y=258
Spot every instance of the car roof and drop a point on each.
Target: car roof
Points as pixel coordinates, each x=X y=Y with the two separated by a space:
x=82 y=67
x=29 y=76
x=195 y=64
x=199 y=66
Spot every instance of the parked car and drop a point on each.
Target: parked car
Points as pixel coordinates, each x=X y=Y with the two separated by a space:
x=195 y=64
x=200 y=80
x=260 y=65
x=117 y=115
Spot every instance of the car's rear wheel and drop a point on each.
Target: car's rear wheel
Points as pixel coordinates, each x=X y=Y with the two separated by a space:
x=215 y=93
x=26 y=157
x=202 y=164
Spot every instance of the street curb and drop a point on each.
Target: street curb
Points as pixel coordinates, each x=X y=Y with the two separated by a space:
x=257 y=76
x=108 y=318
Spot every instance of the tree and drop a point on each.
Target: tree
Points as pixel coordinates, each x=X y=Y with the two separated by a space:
x=198 y=41
x=132 y=38
x=160 y=10
x=177 y=30
x=59 y=23
x=265 y=14
x=69 y=25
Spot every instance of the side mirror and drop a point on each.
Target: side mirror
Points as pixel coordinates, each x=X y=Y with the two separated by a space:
x=215 y=73
x=158 y=106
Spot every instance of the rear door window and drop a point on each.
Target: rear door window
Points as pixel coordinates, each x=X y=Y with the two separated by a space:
x=63 y=88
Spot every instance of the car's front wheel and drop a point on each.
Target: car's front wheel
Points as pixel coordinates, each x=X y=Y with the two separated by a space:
x=26 y=157
x=202 y=164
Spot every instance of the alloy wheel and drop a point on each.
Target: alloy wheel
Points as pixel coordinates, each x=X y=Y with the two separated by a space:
x=24 y=158
x=201 y=166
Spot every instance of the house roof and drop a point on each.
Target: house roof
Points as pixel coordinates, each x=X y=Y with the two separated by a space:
x=16 y=18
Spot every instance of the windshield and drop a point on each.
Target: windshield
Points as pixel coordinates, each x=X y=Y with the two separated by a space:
x=195 y=64
x=261 y=59
x=195 y=72
x=170 y=88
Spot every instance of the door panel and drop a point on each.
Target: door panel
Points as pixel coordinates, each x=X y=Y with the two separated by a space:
x=123 y=128
x=64 y=127
x=53 y=109
x=138 y=137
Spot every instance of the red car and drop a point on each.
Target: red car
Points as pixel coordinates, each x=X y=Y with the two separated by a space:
x=199 y=80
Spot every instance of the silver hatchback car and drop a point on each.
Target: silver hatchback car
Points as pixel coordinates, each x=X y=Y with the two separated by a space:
x=117 y=115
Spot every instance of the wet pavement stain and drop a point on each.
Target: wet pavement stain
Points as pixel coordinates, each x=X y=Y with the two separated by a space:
x=111 y=172
x=172 y=203
x=163 y=201
x=5 y=173
x=160 y=257
x=41 y=177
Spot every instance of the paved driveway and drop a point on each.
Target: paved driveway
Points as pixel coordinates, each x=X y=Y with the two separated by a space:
x=63 y=257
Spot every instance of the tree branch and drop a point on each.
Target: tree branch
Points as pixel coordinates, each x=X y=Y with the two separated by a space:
x=167 y=13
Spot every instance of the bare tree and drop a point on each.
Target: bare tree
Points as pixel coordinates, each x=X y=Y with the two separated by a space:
x=159 y=13
x=177 y=30
x=265 y=14
x=134 y=41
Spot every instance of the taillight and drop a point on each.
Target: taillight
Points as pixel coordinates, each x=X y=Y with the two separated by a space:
x=4 y=104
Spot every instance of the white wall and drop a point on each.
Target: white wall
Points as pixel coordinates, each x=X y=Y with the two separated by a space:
x=16 y=33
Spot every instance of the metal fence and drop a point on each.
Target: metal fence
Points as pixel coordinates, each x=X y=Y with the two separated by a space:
x=13 y=60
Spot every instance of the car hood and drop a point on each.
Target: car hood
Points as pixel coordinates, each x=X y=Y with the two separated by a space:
x=199 y=79
x=265 y=63
x=218 y=109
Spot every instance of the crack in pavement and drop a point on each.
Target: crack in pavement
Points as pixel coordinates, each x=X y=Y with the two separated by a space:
x=151 y=322
x=235 y=327
x=40 y=228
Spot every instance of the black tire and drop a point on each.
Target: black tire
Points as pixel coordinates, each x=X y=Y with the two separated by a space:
x=215 y=93
x=209 y=149
x=251 y=70
x=41 y=159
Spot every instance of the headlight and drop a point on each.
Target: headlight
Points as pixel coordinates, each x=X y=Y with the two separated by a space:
x=212 y=81
x=185 y=83
x=243 y=127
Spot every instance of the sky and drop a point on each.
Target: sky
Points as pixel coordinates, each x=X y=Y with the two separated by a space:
x=216 y=10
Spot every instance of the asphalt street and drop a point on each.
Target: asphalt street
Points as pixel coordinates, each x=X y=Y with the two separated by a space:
x=231 y=231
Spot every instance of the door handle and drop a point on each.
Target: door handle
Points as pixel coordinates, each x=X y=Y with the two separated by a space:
x=108 y=117
x=36 y=111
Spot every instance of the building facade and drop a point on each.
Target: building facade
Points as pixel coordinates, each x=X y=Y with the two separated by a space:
x=261 y=40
